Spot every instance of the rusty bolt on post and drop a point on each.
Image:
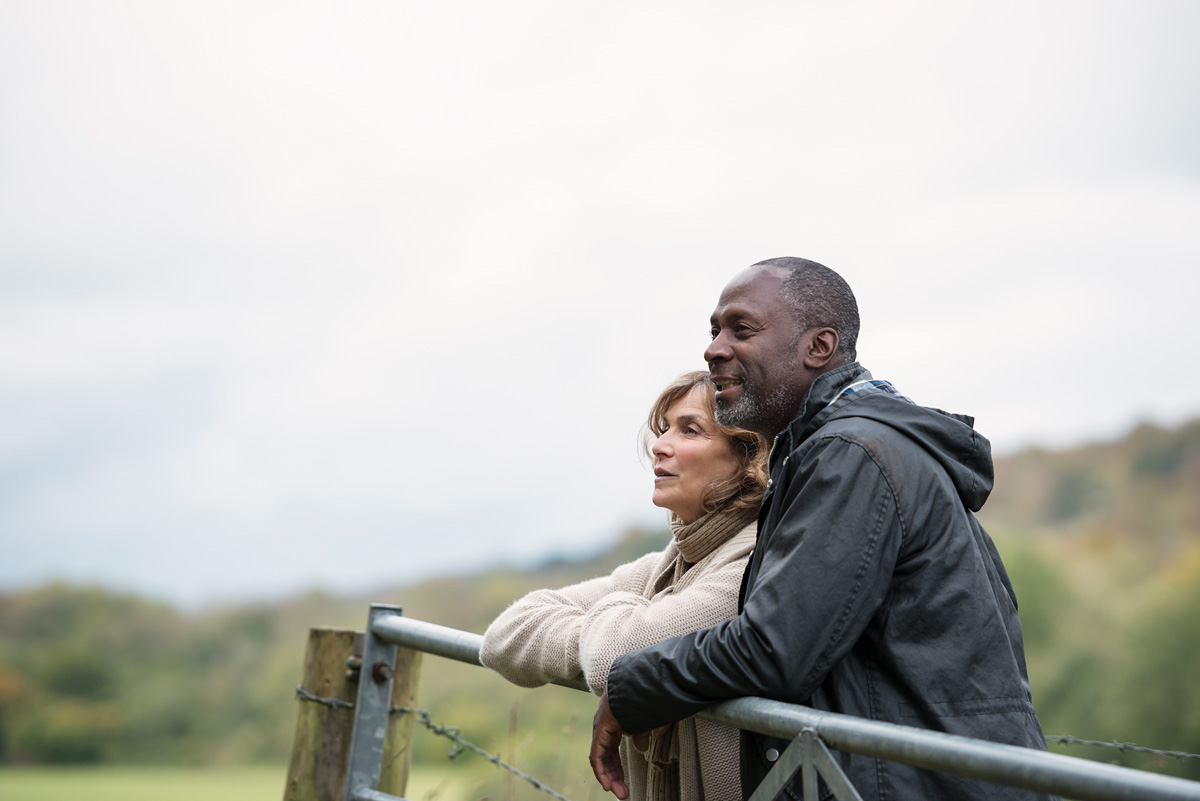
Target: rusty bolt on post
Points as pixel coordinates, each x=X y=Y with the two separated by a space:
x=382 y=671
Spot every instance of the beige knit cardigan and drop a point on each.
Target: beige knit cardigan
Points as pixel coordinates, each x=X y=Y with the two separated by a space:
x=581 y=629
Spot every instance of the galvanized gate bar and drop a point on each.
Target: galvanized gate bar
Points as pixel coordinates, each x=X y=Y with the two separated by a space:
x=979 y=759
x=371 y=709
x=791 y=760
x=428 y=637
x=808 y=754
x=431 y=638
x=819 y=762
x=367 y=794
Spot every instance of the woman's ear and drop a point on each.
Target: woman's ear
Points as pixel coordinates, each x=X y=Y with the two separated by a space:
x=822 y=344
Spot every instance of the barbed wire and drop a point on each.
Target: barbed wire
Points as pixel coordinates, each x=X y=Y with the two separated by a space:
x=452 y=733
x=335 y=703
x=1066 y=739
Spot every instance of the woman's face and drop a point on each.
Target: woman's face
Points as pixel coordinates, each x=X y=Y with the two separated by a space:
x=689 y=457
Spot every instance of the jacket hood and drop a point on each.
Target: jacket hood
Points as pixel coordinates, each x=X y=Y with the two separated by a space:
x=951 y=439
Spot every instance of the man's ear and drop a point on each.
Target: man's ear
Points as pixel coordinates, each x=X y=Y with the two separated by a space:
x=822 y=346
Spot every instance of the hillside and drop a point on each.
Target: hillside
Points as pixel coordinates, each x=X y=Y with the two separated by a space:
x=1141 y=488
x=1102 y=543
x=1103 y=546
x=88 y=676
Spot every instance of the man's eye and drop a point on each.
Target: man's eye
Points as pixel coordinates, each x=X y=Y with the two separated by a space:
x=712 y=332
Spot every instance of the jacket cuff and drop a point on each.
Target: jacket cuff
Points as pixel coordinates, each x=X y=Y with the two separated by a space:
x=622 y=700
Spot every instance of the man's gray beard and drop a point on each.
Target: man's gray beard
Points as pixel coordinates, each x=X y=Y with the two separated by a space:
x=767 y=416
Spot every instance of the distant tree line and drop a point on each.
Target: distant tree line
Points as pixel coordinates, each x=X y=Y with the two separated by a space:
x=1102 y=544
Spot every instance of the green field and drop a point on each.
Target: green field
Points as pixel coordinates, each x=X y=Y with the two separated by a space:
x=236 y=783
x=239 y=783
x=122 y=783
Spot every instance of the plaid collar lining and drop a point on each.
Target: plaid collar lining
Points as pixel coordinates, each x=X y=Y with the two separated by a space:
x=886 y=386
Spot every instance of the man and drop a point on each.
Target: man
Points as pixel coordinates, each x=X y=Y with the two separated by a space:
x=872 y=591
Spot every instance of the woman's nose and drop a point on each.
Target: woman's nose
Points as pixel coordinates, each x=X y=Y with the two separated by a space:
x=661 y=446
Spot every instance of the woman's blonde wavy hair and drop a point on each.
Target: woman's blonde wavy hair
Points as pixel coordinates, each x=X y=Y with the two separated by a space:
x=745 y=488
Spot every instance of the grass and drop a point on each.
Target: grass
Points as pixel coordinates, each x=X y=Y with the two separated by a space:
x=126 y=783
x=238 y=783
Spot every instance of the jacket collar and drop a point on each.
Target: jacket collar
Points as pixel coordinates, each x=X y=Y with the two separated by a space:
x=825 y=390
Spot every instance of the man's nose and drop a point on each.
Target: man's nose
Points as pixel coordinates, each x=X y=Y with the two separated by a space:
x=718 y=349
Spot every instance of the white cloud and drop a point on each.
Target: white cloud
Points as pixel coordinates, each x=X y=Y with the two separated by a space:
x=285 y=283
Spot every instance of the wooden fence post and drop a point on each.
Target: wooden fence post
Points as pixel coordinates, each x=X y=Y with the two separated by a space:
x=397 y=744
x=321 y=743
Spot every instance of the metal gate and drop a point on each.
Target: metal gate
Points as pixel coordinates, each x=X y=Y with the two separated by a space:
x=812 y=732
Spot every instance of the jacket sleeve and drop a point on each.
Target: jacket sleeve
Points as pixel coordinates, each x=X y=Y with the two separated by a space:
x=625 y=621
x=536 y=639
x=825 y=570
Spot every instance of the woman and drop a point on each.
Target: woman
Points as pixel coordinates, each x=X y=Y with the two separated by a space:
x=711 y=478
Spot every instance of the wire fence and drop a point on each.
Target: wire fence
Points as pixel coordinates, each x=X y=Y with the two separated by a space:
x=1066 y=739
x=453 y=733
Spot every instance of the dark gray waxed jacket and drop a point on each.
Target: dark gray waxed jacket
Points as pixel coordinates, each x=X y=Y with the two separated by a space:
x=872 y=591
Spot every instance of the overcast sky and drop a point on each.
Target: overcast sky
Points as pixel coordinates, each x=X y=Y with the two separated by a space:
x=338 y=295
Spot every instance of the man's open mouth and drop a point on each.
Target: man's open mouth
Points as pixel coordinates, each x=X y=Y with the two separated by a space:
x=725 y=383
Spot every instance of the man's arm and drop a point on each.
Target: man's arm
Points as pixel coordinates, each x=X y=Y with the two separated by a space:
x=825 y=571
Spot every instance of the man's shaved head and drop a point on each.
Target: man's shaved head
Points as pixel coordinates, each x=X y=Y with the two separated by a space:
x=820 y=298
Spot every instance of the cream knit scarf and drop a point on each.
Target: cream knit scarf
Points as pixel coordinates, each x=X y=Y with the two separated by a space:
x=693 y=541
